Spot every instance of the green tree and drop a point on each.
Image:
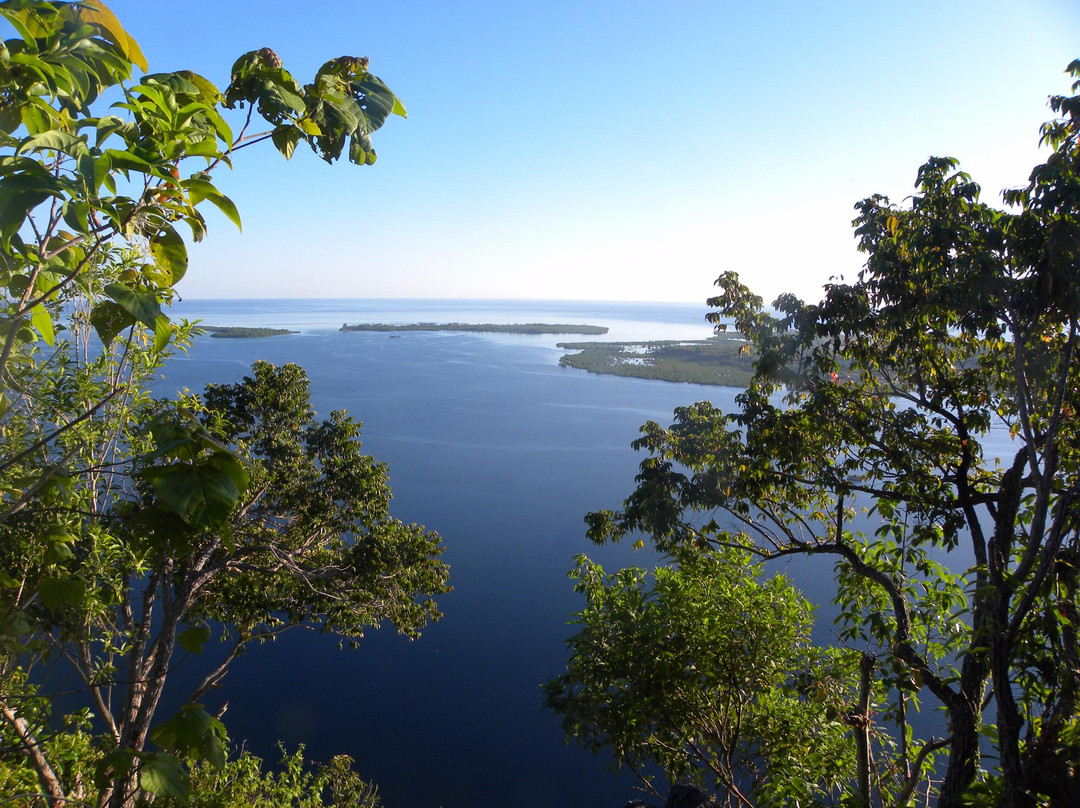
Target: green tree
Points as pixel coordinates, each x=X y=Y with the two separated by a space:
x=863 y=436
x=132 y=530
x=708 y=675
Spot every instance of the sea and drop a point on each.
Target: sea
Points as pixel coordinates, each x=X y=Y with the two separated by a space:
x=502 y=451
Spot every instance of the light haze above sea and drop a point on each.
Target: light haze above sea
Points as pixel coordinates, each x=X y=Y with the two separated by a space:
x=625 y=321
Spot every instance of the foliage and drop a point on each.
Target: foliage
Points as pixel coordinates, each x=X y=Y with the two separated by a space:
x=866 y=435
x=242 y=783
x=133 y=529
x=693 y=674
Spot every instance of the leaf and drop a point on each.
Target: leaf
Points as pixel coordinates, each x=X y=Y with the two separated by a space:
x=170 y=253
x=163 y=332
x=55 y=140
x=126 y=161
x=202 y=493
x=113 y=766
x=162 y=774
x=142 y=306
x=96 y=13
x=199 y=189
x=56 y=593
x=285 y=138
x=20 y=194
x=193 y=639
x=95 y=170
x=109 y=319
x=41 y=320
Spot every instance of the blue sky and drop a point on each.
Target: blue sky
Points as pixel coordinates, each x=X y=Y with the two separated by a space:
x=619 y=151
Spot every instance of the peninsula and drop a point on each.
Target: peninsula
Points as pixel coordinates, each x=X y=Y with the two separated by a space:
x=482 y=328
x=720 y=360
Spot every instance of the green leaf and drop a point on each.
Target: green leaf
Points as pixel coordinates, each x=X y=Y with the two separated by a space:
x=20 y=194
x=170 y=253
x=56 y=140
x=193 y=639
x=142 y=306
x=162 y=774
x=95 y=170
x=41 y=320
x=77 y=215
x=113 y=766
x=109 y=319
x=126 y=161
x=202 y=493
x=285 y=138
x=56 y=593
x=163 y=333
x=199 y=189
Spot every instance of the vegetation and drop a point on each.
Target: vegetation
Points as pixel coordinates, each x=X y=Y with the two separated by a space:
x=691 y=673
x=243 y=332
x=720 y=360
x=482 y=328
x=133 y=531
x=957 y=576
x=242 y=783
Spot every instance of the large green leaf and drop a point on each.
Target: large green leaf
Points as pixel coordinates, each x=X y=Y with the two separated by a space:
x=162 y=774
x=199 y=189
x=109 y=319
x=56 y=140
x=170 y=253
x=142 y=306
x=202 y=493
x=193 y=639
x=41 y=320
x=56 y=593
x=20 y=194
x=285 y=138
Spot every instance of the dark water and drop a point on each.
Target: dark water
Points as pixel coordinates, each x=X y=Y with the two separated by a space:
x=494 y=445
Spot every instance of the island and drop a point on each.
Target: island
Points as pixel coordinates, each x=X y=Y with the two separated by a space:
x=483 y=328
x=243 y=332
x=720 y=360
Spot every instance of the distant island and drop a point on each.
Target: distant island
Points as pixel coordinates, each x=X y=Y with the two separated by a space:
x=482 y=328
x=241 y=332
x=718 y=360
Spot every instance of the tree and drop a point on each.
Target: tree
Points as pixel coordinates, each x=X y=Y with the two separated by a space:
x=132 y=530
x=863 y=436
x=694 y=675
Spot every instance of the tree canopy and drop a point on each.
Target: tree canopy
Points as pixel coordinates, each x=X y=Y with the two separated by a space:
x=866 y=435
x=134 y=530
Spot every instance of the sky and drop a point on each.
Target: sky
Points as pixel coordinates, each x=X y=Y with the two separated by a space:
x=626 y=150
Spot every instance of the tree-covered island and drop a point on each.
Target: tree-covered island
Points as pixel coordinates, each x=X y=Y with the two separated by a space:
x=482 y=328
x=243 y=332
x=720 y=360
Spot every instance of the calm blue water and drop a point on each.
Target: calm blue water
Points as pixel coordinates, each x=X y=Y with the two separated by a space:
x=494 y=445
x=499 y=449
